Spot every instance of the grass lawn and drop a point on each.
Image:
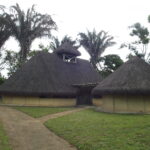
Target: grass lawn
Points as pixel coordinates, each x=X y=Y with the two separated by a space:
x=90 y=130
x=42 y=111
x=4 y=144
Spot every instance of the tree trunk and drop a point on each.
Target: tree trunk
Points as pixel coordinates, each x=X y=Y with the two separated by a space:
x=93 y=62
x=23 y=52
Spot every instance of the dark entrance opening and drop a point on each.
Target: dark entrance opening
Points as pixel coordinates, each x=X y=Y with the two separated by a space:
x=84 y=96
x=0 y=99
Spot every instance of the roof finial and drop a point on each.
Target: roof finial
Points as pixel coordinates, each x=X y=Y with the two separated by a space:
x=68 y=48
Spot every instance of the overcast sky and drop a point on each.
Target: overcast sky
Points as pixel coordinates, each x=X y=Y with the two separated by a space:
x=74 y=16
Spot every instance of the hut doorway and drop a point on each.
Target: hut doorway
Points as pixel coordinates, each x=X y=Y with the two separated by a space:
x=84 y=98
x=0 y=99
x=84 y=95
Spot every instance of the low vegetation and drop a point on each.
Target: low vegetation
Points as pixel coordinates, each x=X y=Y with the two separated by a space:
x=4 y=144
x=91 y=130
x=37 y=112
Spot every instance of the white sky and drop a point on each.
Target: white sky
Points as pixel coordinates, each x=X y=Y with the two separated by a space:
x=74 y=16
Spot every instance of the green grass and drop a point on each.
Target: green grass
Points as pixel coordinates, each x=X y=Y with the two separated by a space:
x=37 y=112
x=90 y=130
x=4 y=144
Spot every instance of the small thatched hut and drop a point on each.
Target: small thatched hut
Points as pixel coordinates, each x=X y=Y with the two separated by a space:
x=51 y=79
x=127 y=90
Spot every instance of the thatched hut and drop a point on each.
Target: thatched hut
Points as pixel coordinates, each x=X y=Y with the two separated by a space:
x=51 y=79
x=127 y=90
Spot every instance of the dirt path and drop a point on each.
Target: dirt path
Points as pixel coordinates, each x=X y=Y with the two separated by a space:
x=27 y=133
x=52 y=116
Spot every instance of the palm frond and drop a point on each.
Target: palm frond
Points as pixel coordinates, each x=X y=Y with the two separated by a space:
x=95 y=43
x=26 y=27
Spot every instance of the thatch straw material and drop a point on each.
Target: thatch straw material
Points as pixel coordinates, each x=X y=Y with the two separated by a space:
x=48 y=75
x=68 y=49
x=133 y=77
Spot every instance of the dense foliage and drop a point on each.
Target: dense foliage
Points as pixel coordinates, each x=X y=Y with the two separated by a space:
x=109 y=64
x=139 y=47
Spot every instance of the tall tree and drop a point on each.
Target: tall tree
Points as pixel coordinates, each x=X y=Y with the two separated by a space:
x=26 y=27
x=109 y=64
x=139 y=47
x=56 y=42
x=5 y=31
x=95 y=44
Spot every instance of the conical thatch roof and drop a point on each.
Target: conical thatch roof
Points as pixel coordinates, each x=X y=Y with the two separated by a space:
x=47 y=74
x=68 y=49
x=133 y=77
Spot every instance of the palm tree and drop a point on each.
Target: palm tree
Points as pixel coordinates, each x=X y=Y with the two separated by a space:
x=95 y=44
x=26 y=27
x=56 y=43
x=5 y=31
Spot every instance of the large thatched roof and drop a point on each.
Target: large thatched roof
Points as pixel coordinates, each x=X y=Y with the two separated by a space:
x=68 y=49
x=133 y=77
x=47 y=74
